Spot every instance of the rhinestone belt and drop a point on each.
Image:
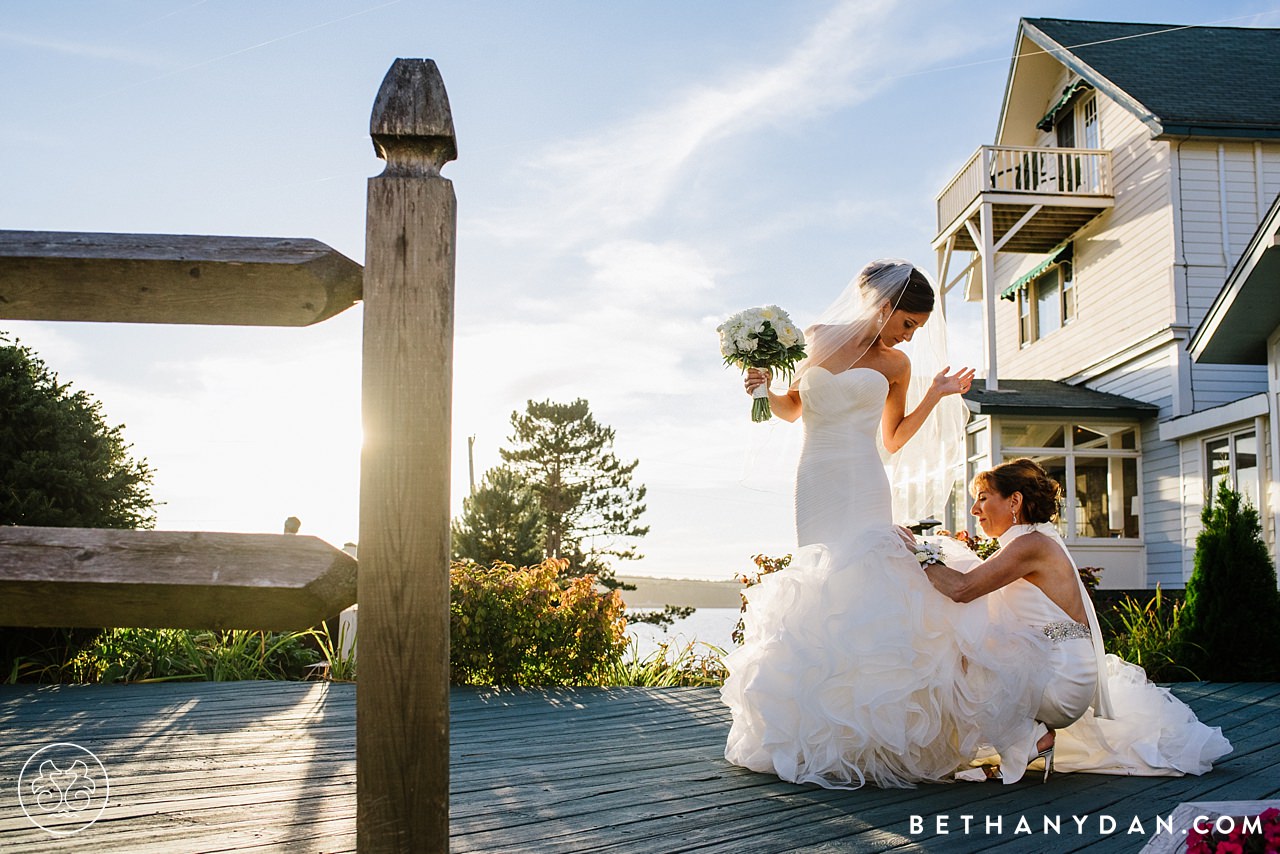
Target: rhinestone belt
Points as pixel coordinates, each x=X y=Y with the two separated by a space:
x=1066 y=631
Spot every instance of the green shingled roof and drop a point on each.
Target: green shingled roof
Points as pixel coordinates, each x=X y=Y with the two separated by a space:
x=1192 y=81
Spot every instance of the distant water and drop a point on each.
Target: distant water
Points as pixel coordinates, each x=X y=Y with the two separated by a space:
x=705 y=625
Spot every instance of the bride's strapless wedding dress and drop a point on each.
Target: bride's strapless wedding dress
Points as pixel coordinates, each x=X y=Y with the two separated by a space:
x=853 y=667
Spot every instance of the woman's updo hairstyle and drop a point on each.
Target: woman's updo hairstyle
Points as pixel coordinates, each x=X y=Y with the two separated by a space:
x=1041 y=494
x=914 y=296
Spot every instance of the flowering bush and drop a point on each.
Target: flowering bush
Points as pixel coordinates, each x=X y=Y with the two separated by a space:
x=761 y=337
x=518 y=626
x=983 y=548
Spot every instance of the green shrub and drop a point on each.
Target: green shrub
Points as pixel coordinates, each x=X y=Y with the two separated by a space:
x=518 y=626
x=1233 y=608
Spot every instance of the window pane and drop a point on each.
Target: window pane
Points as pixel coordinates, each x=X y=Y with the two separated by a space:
x=1065 y=130
x=1092 y=139
x=978 y=444
x=1116 y=437
x=1032 y=435
x=1247 y=467
x=1107 y=504
x=1217 y=454
x=1068 y=293
x=1048 y=308
x=1056 y=468
x=1024 y=317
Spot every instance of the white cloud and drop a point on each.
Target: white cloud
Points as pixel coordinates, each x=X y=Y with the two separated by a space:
x=625 y=174
x=85 y=50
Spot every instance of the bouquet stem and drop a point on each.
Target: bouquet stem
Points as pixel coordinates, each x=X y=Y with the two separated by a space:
x=760 y=410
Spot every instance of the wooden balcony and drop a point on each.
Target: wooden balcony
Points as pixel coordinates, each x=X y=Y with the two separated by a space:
x=1068 y=187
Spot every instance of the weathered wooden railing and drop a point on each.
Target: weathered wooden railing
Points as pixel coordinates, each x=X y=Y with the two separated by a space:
x=80 y=577
x=1024 y=169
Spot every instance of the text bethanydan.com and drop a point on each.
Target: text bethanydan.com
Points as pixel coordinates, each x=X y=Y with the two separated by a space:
x=1101 y=824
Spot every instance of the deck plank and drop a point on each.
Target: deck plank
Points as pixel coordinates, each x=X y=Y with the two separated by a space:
x=270 y=766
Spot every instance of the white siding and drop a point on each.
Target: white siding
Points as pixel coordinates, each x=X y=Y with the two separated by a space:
x=1123 y=263
x=1191 y=457
x=1221 y=208
x=1220 y=200
x=1152 y=378
x=1214 y=385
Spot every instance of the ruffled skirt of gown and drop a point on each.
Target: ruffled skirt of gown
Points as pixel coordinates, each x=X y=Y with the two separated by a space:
x=855 y=669
x=1153 y=734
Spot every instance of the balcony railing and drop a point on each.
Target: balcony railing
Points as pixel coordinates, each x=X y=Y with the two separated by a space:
x=1021 y=169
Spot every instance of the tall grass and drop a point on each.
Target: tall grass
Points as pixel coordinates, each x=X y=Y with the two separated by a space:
x=156 y=655
x=669 y=666
x=337 y=666
x=1151 y=636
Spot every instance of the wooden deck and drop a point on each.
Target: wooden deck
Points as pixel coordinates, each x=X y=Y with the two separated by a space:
x=254 y=766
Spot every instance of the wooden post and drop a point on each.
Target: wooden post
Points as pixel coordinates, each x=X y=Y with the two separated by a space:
x=402 y=705
x=987 y=249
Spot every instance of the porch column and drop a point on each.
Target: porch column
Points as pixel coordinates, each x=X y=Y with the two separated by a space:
x=987 y=252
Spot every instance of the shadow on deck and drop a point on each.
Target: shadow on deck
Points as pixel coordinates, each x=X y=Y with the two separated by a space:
x=271 y=765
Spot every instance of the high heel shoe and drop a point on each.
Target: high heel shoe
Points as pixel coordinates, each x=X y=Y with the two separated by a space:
x=1047 y=753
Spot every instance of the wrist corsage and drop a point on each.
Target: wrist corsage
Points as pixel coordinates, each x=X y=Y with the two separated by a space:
x=927 y=554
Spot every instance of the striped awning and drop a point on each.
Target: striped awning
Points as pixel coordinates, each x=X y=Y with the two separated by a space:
x=1063 y=252
x=1068 y=95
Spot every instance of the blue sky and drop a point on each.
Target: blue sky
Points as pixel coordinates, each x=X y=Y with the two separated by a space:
x=629 y=173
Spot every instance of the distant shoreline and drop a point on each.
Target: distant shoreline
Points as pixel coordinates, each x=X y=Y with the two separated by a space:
x=656 y=592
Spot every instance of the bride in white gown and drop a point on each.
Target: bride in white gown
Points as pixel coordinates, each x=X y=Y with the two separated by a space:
x=853 y=668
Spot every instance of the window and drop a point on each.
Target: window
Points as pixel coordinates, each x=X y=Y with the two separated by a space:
x=1046 y=304
x=1088 y=110
x=1097 y=465
x=1234 y=459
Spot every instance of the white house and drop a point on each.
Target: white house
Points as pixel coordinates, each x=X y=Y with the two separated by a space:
x=1132 y=167
x=1236 y=441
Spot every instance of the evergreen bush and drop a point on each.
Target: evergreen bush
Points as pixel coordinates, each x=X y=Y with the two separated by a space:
x=1233 y=607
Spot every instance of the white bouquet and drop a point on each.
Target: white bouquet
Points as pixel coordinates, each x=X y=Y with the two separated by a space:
x=762 y=337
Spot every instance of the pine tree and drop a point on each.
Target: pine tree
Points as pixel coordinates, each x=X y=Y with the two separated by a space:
x=590 y=507
x=60 y=464
x=1233 y=608
x=502 y=521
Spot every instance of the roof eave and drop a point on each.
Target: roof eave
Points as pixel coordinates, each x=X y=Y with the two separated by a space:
x=1086 y=72
x=1063 y=412
x=1218 y=132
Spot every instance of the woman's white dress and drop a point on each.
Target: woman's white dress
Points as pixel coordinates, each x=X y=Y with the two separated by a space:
x=855 y=669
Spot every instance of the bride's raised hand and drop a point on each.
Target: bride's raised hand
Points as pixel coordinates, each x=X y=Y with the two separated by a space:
x=756 y=377
x=958 y=383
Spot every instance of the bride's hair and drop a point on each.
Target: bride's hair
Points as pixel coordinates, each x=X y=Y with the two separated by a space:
x=1041 y=494
x=915 y=295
